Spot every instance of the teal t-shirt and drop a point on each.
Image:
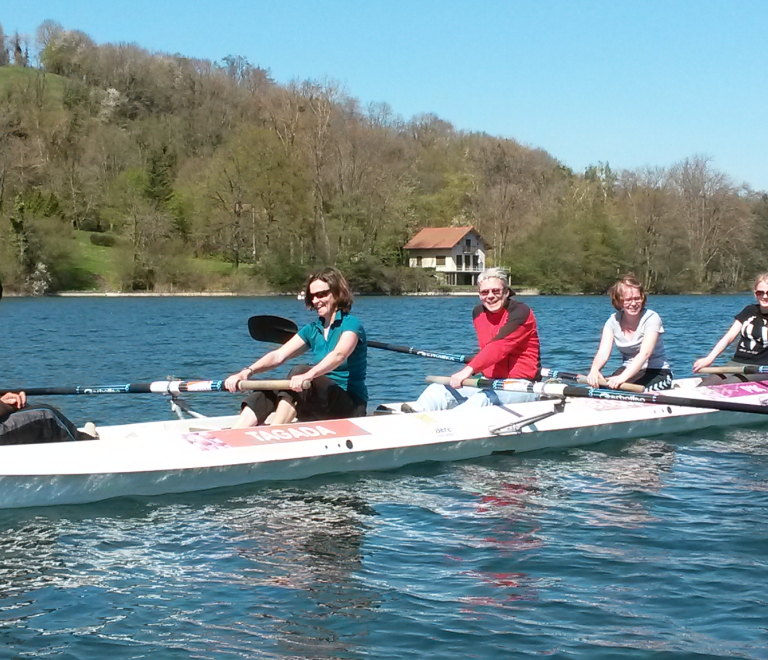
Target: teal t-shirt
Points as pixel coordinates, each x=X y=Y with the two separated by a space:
x=350 y=374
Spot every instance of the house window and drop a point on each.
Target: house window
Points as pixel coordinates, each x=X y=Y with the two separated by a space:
x=468 y=242
x=418 y=262
x=440 y=261
x=459 y=262
x=475 y=262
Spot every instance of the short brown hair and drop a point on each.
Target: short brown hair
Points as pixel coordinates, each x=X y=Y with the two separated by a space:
x=616 y=292
x=336 y=282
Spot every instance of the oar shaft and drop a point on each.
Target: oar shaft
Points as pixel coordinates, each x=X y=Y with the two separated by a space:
x=451 y=357
x=581 y=379
x=156 y=387
x=559 y=389
x=746 y=369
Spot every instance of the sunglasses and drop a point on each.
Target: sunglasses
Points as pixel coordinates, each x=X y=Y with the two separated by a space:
x=761 y=294
x=484 y=293
x=319 y=294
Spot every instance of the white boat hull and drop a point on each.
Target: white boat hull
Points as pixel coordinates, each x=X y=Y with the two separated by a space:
x=180 y=456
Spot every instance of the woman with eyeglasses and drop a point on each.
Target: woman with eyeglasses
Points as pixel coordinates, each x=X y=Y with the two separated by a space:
x=751 y=327
x=638 y=334
x=509 y=348
x=337 y=379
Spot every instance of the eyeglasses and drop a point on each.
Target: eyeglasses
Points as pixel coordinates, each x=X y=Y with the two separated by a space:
x=319 y=294
x=484 y=293
x=761 y=293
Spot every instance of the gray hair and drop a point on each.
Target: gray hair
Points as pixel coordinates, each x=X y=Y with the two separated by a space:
x=496 y=273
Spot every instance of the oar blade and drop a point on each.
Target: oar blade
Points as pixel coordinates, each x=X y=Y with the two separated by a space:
x=271 y=329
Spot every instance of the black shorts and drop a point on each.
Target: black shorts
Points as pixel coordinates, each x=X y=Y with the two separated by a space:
x=326 y=399
x=650 y=379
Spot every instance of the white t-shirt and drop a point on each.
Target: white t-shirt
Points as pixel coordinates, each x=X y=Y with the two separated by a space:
x=629 y=347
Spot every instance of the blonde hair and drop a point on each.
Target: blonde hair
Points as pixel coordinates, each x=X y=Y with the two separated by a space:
x=762 y=277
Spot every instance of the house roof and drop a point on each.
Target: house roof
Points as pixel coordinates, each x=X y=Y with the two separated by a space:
x=433 y=238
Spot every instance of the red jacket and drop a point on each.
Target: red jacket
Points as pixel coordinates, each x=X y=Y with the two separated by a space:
x=509 y=342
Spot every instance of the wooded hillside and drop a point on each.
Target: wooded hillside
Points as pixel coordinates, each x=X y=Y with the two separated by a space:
x=122 y=169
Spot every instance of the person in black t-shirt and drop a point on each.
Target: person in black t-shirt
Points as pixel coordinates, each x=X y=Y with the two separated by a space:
x=751 y=327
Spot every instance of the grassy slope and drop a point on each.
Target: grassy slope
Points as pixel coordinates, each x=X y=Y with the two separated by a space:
x=23 y=79
x=101 y=261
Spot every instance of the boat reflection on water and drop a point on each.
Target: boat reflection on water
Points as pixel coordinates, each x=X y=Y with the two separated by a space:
x=281 y=564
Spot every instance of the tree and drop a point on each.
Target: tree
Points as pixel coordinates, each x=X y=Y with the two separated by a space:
x=714 y=218
x=3 y=51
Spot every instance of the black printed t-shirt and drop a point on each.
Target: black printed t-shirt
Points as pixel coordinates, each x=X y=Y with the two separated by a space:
x=753 y=341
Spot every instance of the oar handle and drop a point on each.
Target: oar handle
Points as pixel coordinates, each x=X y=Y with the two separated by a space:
x=511 y=384
x=743 y=369
x=581 y=379
x=247 y=385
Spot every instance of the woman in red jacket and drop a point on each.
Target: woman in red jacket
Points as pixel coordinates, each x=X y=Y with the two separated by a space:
x=509 y=348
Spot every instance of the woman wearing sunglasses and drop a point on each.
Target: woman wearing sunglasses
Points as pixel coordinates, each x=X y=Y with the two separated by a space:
x=509 y=348
x=751 y=327
x=638 y=334
x=337 y=380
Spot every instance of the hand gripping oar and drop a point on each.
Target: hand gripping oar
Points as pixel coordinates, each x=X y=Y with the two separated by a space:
x=156 y=387
x=277 y=330
x=582 y=380
x=561 y=390
x=746 y=369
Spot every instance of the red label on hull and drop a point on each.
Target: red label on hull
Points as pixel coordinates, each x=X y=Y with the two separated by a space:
x=267 y=435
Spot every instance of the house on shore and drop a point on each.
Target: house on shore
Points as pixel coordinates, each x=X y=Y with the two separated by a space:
x=456 y=253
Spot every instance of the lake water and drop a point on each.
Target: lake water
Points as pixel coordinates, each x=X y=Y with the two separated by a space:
x=649 y=548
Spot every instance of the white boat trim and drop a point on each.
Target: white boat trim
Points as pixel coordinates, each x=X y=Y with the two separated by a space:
x=156 y=458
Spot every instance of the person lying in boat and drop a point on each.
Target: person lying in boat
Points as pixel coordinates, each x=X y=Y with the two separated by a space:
x=21 y=424
x=338 y=342
x=638 y=334
x=509 y=348
x=751 y=328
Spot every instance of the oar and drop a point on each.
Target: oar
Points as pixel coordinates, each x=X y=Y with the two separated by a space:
x=582 y=380
x=561 y=390
x=743 y=369
x=277 y=330
x=156 y=387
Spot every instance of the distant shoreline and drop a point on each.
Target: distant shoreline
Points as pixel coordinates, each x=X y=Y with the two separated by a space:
x=230 y=294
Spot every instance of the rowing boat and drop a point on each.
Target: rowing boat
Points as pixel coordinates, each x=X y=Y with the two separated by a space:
x=178 y=456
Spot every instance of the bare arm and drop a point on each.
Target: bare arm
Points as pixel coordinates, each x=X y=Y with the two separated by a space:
x=344 y=348
x=601 y=357
x=293 y=347
x=720 y=346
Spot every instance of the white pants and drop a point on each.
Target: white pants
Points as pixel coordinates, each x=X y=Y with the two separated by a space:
x=443 y=397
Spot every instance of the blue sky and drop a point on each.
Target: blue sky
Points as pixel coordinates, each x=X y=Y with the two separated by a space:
x=633 y=84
